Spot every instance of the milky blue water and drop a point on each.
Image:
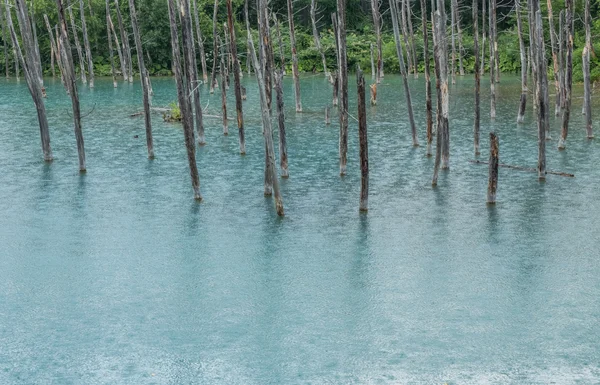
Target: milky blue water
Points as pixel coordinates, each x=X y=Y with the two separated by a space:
x=118 y=276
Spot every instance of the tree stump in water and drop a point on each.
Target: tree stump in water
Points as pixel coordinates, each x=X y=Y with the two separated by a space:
x=363 y=143
x=493 y=169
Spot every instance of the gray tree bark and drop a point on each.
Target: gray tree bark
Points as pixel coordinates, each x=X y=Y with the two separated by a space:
x=493 y=169
x=562 y=142
x=554 y=58
x=200 y=42
x=236 y=78
x=283 y=155
x=86 y=44
x=363 y=142
x=428 y=104
x=587 y=93
x=125 y=44
x=477 y=122
x=377 y=24
x=4 y=39
x=110 y=46
x=213 y=80
x=295 y=73
x=78 y=47
x=316 y=37
x=524 y=89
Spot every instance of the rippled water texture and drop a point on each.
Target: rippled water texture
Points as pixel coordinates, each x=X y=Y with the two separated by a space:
x=119 y=277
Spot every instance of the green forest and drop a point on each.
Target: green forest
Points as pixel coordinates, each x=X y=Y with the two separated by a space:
x=154 y=28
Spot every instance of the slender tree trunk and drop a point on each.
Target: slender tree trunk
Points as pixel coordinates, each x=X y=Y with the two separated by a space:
x=428 y=105
x=493 y=169
x=461 y=48
x=78 y=47
x=52 y=65
x=31 y=69
x=125 y=44
x=69 y=74
x=295 y=73
x=533 y=52
x=280 y=43
x=283 y=156
x=452 y=29
x=200 y=42
x=267 y=132
x=86 y=44
x=143 y=76
x=542 y=90
x=442 y=151
x=236 y=78
x=184 y=102
x=36 y=47
x=554 y=57
x=54 y=48
x=316 y=37
x=327 y=113
x=110 y=47
x=477 y=123
x=247 y=19
x=377 y=24
x=4 y=40
x=343 y=84
x=267 y=46
x=483 y=36
x=412 y=39
x=524 y=89
x=336 y=89
x=394 y=13
x=373 y=74
x=213 y=80
x=561 y=57
x=562 y=142
x=404 y=26
x=222 y=71
x=117 y=44
x=228 y=53
x=493 y=67
x=363 y=142
x=587 y=93
x=495 y=29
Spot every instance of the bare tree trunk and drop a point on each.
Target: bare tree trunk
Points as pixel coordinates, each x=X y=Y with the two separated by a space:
x=363 y=142
x=495 y=29
x=377 y=24
x=267 y=47
x=143 y=75
x=493 y=169
x=442 y=152
x=295 y=73
x=247 y=19
x=562 y=142
x=228 y=53
x=110 y=47
x=533 y=52
x=86 y=44
x=69 y=74
x=78 y=47
x=483 y=37
x=55 y=51
x=37 y=50
x=394 y=13
x=542 y=89
x=31 y=69
x=452 y=30
x=587 y=93
x=561 y=57
x=316 y=37
x=477 y=123
x=343 y=84
x=493 y=44
x=184 y=101
x=213 y=80
x=404 y=26
x=283 y=156
x=524 y=89
x=461 y=48
x=117 y=44
x=412 y=39
x=373 y=74
x=280 y=43
x=222 y=71
x=4 y=40
x=327 y=113
x=554 y=58
x=428 y=104
x=267 y=132
x=200 y=42
x=125 y=44
x=236 y=78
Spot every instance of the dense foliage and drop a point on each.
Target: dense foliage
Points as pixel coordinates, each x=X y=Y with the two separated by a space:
x=154 y=25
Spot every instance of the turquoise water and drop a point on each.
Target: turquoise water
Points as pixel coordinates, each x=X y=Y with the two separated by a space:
x=118 y=277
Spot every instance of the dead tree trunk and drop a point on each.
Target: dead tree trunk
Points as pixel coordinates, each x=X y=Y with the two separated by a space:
x=200 y=42
x=222 y=72
x=31 y=69
x=295 y=73
x=477 y=123
x=125 y=44
x=336 y=89
x=54 y=48
x=561 y=57
x=36 y=47
x=494 y=24
x=587 y=93
x=267 y=132
x=4 y=39
x=493 y=43
x=533 y=52
x=372 y=63
x=411 y=36
x=267 y=49
x=143 y=76
x=78 y=47
x=327 y=119
x=184 y=102
x=86 y=44
x=452 y=31
x=404 y=26
x=280 y=43
x=394 y=13
x=441 y=70
x=316 y=37
x=554 y=58
x=461 y=49
x=562 y=142
x=69 y=74
x=117 y=44
x=363 y=142
x=493 y=170
x=228 y=53
x=428 y=104
x=213 y=80
x=483 y=36
x=377 y=25
x=343 y=83
x=542 y=90
x=283 y=156
x=236 y=78
x=110 y=47
x=524 y=90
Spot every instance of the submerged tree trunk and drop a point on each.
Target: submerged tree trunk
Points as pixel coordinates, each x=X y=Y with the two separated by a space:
x=283 y=156
x=394 y=13
x=428 y=105
x=200 y=41
x=69 y=74
x=78 y=47
x=125 y=44
x=236 y=78
x=143 y=76
x=343 y=84
x=31 y=69
x=295 y=73
x=554 y=57
x=542 y=89
x=316 y=37
x=184 y=101
x=562 y=142
x=86 y=44
x=363 y=142
x=442 y=151
x=110 y=46
x=524 y=90
x=587 y=89
x=477 y=122
x=213 y=80
x=267 y=132
x=493 y=169
x=377 y=25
